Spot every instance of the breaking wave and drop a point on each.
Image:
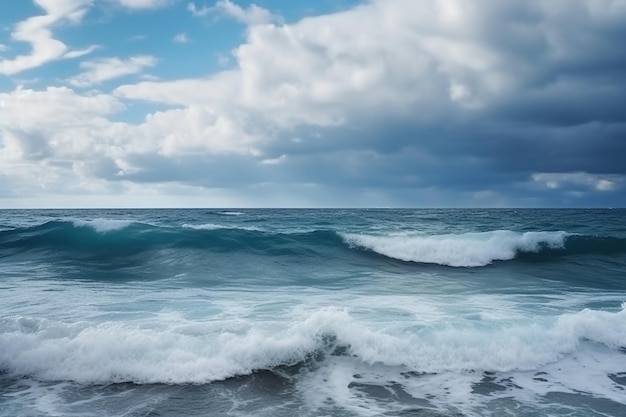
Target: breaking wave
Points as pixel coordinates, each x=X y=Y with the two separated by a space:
x=174 y=351
x=468 y=249
x=118 y=238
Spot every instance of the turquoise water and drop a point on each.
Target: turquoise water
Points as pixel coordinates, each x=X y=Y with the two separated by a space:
x=312 y=312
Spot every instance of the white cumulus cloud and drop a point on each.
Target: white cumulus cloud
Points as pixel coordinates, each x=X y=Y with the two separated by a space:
x=252 y=15
x=100 y=70
x=37 y=31
x=143 y=4
x=423 y=62
x=198 y=12
x=392 y=93
x=181 y=38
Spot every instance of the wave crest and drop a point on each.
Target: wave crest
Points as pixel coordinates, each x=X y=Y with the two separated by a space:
x=174 y=351
x=460 y=250
x=107 y=238
x=102 y=225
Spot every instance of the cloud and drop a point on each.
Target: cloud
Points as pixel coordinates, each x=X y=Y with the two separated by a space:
x=198 y=12
x=47 y=145
x=143 y=4
x=483 y=104
x=253 y=15
x=81 y=52
x=250 y=16
x=198 y=130
x=595 y=182
x=100 y=70
x=54 y=111
x=181 y=38
x=454 y=102
x=37 y=32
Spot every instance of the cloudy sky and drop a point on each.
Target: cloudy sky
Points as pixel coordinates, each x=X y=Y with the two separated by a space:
x=281 y=103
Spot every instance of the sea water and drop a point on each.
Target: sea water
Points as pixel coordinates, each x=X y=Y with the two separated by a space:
x=312 y=312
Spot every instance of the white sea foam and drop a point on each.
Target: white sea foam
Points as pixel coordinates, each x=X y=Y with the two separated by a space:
x=214 y=226
x=101 y=225
x=173 y=351
x=460 y=250
x=573 y=354
x=541 y=354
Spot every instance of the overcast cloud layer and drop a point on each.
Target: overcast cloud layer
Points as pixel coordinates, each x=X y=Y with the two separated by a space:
x=384 y=103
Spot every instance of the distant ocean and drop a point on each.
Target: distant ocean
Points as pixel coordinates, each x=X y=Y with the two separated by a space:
x=282 y=312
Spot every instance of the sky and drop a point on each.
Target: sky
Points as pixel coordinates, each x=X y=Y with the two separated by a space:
x=312 y=103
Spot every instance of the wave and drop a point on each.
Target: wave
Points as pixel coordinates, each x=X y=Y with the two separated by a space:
x=106 y=238
x=467 y=250
x=174 y=351
x=227 y=213
x=102 y=225
x=214 y=226
x=231 y=213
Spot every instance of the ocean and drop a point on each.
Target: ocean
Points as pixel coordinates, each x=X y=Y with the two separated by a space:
x=321 y=312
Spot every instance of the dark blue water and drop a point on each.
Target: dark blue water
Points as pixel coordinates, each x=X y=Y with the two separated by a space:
x=312 y=312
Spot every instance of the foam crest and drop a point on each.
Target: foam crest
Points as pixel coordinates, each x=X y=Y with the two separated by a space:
x=102 y=225
x=147 y=352
x=213 y=226
x=177 y=351
x=168 y=350
x=493 y=346
x=459 y=250
x=206 y=226
x=597 y=326
x=231 y=213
